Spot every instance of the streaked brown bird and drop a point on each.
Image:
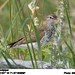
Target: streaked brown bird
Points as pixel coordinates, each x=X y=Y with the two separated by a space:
x=45 y=33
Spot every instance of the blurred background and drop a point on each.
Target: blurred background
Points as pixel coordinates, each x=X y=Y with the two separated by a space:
x=13 y=13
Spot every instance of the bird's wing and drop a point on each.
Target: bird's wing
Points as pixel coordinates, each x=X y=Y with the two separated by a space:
x=23 y=41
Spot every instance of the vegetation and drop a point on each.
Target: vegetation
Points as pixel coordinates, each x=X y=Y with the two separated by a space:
x=16 y=15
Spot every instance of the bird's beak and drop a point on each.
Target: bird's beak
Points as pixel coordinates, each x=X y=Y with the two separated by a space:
x=56 y=21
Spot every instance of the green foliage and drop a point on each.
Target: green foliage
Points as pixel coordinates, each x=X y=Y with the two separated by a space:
x=15 y=17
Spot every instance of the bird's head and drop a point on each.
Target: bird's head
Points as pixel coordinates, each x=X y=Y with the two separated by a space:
x=50 y=21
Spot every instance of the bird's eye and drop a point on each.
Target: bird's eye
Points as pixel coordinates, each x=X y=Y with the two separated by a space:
x=51 y=17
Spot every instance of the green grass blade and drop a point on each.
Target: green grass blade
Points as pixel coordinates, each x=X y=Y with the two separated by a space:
x=4 y=56
x=66 y=6
x=24 y=32
x=71 y=50
x=38 y=41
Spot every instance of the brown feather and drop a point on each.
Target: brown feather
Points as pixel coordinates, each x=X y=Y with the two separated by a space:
x=33 y=37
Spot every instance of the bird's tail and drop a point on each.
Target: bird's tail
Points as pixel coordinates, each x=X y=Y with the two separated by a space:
x=13 y=44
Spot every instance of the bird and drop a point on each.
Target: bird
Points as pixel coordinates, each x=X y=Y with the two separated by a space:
x=46 y=32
